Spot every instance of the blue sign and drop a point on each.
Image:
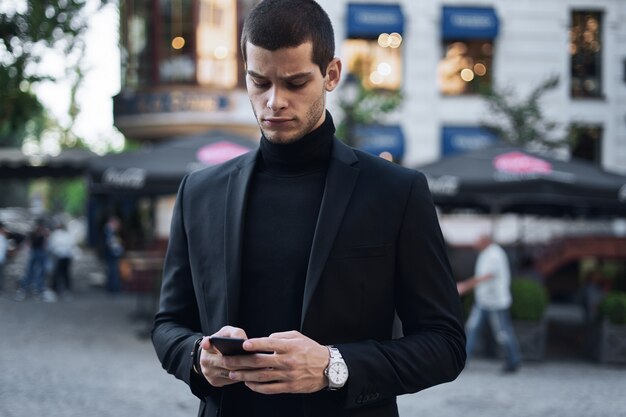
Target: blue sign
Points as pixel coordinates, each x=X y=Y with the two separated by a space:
x=367 y=21
x=459 y=139
x=469 y=23
x=173 y=101
x=376 y=139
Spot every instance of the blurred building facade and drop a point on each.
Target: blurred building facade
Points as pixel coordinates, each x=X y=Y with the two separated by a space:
x=182 y=68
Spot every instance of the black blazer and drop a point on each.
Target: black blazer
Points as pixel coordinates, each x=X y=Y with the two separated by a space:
x=377 y=250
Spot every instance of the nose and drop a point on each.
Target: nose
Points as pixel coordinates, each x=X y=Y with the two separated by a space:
x=277 y=99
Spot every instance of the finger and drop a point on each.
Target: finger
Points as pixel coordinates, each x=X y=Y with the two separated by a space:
x=263 y=375
x=292 y=334
x=206 y=345
x=270 y=388
x=226 y=331
x=230 y=331
x=220 y=378
x=265 y=345
x=246 y=362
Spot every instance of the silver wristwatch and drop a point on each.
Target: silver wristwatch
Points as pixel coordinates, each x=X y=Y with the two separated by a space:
x=337 y=370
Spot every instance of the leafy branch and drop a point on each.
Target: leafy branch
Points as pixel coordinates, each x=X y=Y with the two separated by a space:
x=522 y=122
x=367 y=107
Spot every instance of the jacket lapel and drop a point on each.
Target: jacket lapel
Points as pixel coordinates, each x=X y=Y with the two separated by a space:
x=340 y=181
x=238 y=183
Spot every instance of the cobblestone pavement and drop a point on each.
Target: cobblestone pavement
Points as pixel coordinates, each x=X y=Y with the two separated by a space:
x=87 y=357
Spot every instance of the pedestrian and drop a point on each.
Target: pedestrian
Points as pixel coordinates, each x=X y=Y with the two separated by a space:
x=4 y=250
x=113 y=251
x=62 y=247
x=37 y=264
x=492 y=281
x=306 y=248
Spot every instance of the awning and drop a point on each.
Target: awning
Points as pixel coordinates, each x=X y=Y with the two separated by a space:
x=159 y=169
x=367 y=21
x=469 y=23
x=69 y=163
x=459 y=139
x=376 y=139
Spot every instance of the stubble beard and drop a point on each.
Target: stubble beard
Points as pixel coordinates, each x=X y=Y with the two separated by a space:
x=313 y=115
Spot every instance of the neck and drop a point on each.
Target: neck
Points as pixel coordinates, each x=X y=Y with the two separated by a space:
x=309 y=153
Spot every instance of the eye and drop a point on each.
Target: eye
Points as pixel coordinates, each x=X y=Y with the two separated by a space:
x=260 y=84
x=296 y=86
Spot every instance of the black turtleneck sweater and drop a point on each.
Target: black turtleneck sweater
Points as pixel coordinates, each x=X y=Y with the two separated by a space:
x=281 y=214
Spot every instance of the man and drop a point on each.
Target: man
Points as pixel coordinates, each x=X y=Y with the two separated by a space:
x=113 y=251
x=301 y=245
x=35 y=274
x=492 y=281
x=62 y=246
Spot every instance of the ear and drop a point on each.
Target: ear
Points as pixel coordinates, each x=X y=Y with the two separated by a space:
x=333 y=74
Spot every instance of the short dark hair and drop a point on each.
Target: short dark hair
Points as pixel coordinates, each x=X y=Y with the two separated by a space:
x=275 y=24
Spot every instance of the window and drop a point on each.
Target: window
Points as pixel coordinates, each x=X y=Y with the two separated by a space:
x=217 y=43
x=466 y=66
x=585 y=50
x=586 y=142
x=373 y=49
x=179 y=42
x=377 y=63
x=136 y=52
x=176 y=42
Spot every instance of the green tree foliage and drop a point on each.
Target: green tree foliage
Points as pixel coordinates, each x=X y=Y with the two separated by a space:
x=27 y=33
x=367 y=107
x=521 y=121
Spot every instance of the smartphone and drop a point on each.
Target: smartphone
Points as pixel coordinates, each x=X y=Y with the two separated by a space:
x=229 y=345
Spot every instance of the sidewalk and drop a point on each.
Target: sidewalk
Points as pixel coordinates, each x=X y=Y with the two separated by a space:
x=84 y=358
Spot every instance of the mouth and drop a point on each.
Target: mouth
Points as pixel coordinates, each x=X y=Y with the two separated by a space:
x=276 y=121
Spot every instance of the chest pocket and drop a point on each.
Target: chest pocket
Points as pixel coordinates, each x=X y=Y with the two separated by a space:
x=366 y=251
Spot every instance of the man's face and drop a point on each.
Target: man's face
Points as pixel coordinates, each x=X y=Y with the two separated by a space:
x=288 y=91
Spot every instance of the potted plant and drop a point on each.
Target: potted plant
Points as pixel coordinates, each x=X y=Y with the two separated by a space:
x=612 y=328
x=530 y=299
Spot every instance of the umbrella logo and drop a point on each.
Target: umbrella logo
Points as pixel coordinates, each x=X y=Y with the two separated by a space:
x=520 y=163
x=219 y=152
x=444 y=185
x=125 y=178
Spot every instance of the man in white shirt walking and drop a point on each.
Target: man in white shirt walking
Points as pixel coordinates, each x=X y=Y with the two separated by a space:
x=62 y=246
x=492 y=278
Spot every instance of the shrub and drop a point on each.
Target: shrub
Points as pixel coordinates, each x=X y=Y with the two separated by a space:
x=613 y=307
x=530 y=299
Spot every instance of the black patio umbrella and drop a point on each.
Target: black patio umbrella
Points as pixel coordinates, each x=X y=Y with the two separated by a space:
x=14 y=164
x=502 y=178
x=158 y=169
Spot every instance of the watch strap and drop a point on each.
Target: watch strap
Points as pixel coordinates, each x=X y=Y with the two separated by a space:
x=195 y=356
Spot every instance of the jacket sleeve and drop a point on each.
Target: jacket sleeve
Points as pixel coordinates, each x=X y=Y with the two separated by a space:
x=432 y=350
x=177 y=323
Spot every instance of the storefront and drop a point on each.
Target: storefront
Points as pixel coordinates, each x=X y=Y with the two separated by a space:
x=468 y=35
x=181 y=68
x=373 y=55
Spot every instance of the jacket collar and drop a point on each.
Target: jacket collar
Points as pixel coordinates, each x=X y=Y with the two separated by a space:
x=340 y=182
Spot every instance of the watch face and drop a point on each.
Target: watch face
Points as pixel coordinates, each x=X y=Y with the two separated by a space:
x=338 y=373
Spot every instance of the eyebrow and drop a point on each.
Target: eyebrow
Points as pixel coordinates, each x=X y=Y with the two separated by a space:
x=288 y=78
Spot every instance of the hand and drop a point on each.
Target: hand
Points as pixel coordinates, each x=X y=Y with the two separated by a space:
x=212 y=361
x=296 y=366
